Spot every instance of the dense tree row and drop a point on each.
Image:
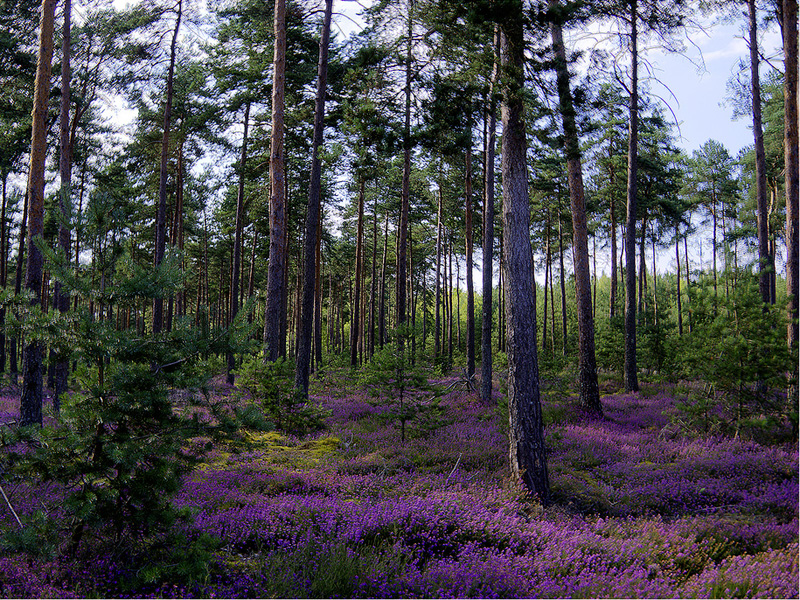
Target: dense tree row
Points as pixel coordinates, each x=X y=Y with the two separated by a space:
x=325 y=195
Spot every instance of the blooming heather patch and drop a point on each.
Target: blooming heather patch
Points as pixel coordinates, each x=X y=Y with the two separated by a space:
x=351 y=512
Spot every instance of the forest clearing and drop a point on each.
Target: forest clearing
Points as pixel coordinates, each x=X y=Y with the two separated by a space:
x=243 y=351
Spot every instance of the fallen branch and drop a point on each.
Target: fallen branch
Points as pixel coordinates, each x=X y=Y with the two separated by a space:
x=13 y=512
x=455 y=467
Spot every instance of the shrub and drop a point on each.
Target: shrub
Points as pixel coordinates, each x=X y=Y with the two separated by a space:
x=266 y=384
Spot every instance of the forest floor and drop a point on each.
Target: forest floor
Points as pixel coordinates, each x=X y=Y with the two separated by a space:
x=644 y=506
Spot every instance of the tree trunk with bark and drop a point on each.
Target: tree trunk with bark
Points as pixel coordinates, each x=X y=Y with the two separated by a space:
x=382 y=299
x=31 y=393
x=765 y=262
x=3 y=272
x=237 y=237
x=355 y=327
x=792 y=178
x=488 y=238
x=587 y=364
x=470 y=289
x=161 y=215
x=402 y=230
x=437 y=340
x=65 y=198
x=313 y=216
x=276 y=287
x=631 y=370
x=678 y=279
x=526 y=431
x=373 y=280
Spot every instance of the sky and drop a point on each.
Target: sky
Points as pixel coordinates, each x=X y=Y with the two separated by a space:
x=700 y=101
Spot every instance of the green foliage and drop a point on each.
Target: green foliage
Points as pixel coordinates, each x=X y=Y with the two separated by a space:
x=738 y=346
x=39 y=536
x=405 y=389
x=656 y=345
x=176 y=559
x=267 y=384
x=118 y=447
x=610 y=343
x=117 y=450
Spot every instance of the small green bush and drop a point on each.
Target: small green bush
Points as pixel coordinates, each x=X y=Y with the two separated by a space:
x=270 y=386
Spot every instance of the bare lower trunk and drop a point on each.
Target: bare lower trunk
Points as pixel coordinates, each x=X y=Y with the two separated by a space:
x=237 y=239
x=161 y=216
x=470 y=289
x=765 y=260
x=437 y=340
x=631 y=375
x=65 y=201
x=526 y=432
x=31 y=394
x=356 y=321
x=276 y=289
x=488 y=242
x=792 y=179
x=678 y=280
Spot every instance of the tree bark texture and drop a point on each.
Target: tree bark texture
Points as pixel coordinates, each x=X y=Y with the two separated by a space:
x=470 y=333
x=65 y=198
x=526 y=431
x=488 y=239
x=355 y=328
x=630 y=372
x=276 y=288
x=161 y=216
x=402 y=229
x=237 y=237
x=792 y=178
x=764 y=258
x=587 y=364
x=31 y=394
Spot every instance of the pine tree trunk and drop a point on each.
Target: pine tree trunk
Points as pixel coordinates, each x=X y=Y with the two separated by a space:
x=276 y=286
x=373 y=282
x=470 y=288
x=449 y=304
x=678 y=279
x=631 y=375
x=714 y=255
x=318 y=298
x=688 y=282
x=655 y=282
x=161 y=215
x=402 y=230
x=65 y=198
x=792 y=179
x=313 y=215
x=3 y=272
x=31 y=394
x=437 y=340
x=237 y=237
x=526 y=432
x=546 y=277
x=457 y=290
x=563 y=285
x=501 y=300
x=382 y=303
x=594 y=277
x=613 y=295
x=356 y=322
x=765 y=260
x=642 y=270
x=488 y=239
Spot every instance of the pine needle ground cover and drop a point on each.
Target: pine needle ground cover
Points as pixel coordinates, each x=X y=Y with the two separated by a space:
x=644 y=508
